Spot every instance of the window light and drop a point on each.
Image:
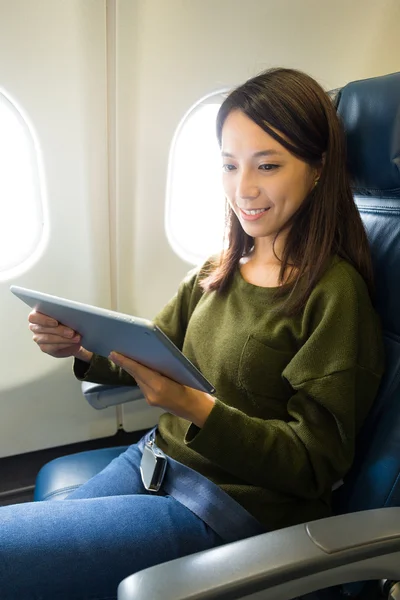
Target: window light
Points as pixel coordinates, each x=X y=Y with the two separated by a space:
x=195 y=211
x=21 y=221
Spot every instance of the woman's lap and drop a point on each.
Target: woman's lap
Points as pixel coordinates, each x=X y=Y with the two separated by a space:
x=82 y=547
x=120 y=477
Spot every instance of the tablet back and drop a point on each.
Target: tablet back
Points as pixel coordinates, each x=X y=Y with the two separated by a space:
x=104 y=330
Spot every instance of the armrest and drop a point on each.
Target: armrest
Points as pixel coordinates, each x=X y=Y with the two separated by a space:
x=102 y=396
x=286 y=563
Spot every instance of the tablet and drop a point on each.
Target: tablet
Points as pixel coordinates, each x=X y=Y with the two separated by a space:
x=105 y=330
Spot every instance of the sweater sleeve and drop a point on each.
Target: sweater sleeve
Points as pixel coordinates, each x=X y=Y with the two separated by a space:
x=172 y=320
x=334 y=378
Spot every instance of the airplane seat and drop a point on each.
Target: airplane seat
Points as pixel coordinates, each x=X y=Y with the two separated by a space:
x=61 y=476
x=362 y=541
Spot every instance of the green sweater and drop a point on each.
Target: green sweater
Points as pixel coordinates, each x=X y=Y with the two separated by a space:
x=291 y=392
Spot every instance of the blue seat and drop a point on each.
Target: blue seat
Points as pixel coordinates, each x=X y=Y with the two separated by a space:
x=63 y=475
x=362 y=541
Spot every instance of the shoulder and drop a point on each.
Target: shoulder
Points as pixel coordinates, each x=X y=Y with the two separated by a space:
x=194 y=277
x=340 y=281
x=190 y=290
x=341 y=295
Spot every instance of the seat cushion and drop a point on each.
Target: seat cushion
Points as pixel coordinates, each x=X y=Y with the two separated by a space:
x=62 y=476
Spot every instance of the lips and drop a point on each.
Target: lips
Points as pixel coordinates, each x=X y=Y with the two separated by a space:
x=253 y=211
x=254 y=217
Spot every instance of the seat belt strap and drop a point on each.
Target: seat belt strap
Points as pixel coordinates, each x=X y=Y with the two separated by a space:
x=207 y=500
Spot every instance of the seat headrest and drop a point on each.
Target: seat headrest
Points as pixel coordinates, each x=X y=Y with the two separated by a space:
x=370 y=112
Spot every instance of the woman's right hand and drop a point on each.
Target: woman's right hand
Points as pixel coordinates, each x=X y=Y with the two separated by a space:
x=56 y=339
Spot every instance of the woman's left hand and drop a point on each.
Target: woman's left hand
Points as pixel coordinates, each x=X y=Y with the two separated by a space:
x=158 y=390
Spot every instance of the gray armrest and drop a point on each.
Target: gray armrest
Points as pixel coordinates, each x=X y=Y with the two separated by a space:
x=102 y=396
x=282 y=564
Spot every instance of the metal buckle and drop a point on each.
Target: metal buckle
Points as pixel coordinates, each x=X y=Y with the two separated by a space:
x=152 y=466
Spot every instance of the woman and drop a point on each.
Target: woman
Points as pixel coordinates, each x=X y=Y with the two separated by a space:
x=283 y=326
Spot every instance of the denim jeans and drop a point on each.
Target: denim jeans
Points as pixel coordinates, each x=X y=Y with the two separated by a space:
x=82 y=547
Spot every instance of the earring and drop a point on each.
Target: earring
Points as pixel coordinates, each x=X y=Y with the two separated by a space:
x=316 y=181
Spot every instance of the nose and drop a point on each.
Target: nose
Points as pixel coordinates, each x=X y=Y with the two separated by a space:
x=247 y=188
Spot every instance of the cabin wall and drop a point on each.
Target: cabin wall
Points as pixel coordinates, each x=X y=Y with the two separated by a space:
x=103 y=86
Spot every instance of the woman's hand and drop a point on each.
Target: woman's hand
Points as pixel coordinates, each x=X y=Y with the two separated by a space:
x=56 y=339
x=180 y=400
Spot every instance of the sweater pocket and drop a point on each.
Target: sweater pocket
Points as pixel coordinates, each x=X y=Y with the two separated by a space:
x=260 y=370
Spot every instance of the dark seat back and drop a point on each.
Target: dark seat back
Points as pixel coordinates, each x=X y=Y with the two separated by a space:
x=370 y=111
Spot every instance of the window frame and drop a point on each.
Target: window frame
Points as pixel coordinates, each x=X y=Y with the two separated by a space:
x=39 y=196
x=191 y=257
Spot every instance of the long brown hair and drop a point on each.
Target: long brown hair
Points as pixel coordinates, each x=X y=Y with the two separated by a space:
x=328 y=221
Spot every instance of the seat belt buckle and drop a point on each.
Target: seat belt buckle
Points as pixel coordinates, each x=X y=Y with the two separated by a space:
x=152 y=466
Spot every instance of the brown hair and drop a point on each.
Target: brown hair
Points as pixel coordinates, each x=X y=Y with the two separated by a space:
x=328 y=221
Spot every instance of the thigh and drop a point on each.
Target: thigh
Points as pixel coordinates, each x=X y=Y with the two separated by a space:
x=120 y=477
x=82 y=549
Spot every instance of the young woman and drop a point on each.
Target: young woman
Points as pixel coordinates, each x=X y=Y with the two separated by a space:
x=283 y=326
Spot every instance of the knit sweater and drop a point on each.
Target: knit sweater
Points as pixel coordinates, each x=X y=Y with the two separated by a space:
x=291 y=391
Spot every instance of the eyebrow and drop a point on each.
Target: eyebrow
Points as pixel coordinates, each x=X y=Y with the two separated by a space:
x=257 y=154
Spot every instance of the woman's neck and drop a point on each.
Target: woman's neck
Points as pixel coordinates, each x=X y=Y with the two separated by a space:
x=267 y=251
x=263 y=265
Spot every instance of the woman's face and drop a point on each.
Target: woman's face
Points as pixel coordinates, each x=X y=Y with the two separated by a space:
x=263 y=182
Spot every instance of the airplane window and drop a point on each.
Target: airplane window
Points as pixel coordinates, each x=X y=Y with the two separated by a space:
x=21 y=222
x=195 y=211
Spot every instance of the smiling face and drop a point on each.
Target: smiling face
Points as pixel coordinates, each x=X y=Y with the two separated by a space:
x=263 y=182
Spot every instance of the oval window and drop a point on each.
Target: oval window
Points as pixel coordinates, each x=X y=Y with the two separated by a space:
x=195 y=211
x=21 y=222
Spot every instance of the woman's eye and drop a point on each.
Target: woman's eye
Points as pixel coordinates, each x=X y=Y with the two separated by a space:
x=228 y=167
x=268 y=167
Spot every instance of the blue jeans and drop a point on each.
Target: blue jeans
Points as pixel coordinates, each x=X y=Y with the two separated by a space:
x=82 y=547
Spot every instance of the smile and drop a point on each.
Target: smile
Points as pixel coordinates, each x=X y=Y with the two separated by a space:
x=255 y=211
x=252 y=215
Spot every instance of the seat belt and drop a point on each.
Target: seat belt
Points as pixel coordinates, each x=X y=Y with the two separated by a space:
x=204 y=498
